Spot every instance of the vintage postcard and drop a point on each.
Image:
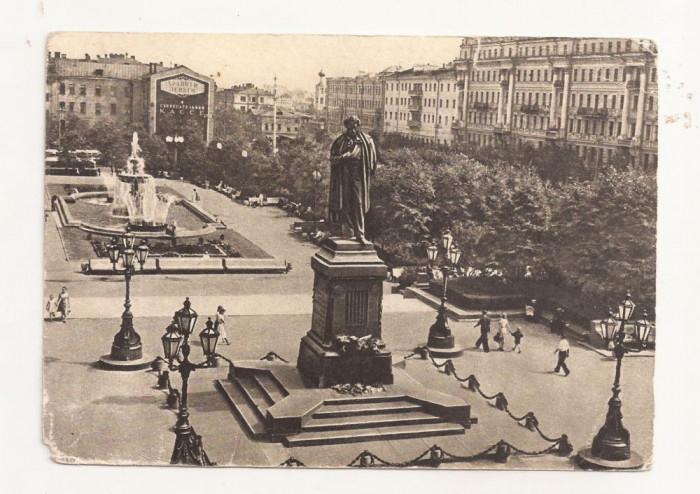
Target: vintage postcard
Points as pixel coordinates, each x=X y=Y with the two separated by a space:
x=350 y=251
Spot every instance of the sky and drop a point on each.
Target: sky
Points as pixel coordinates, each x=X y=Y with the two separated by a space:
x=295 y=59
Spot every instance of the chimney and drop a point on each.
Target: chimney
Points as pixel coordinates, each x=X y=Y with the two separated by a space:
x=160 y=63
x=87 y=56
x=133 y=57
x=57 y=54
x=63 y=55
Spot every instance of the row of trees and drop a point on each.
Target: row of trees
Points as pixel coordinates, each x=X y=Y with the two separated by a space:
x=593 y=238
x=589 y=231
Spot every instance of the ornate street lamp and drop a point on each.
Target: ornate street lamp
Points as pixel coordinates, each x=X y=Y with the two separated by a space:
x=127 y=352
x=441 y=341
x=316 y=175
x=611 y=446
x=188 y=445
x=641 y=330
x=175 y=140
x=608 y=328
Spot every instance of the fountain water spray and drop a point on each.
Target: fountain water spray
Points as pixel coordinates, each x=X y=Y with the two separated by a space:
x=135 y=191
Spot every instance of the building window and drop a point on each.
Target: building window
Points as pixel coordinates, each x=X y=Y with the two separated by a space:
x=566 y=47
x=605 y=101
x=635 y=102
x=615 y=74
x=83 y=90
x=71 y=89
x=619 y=46
x=599 y=74
x=592 y=47
x=62 y=89
x=98 y=91
x=83 y=108
x=113 y=109
x=62 y=106
x=622 y=101
x=612 y=101
x=575 y=75
x=651 y=103
x=610 y=47
x=98 y=109
x=590 y=75
x=545 y=72
x=71 y=106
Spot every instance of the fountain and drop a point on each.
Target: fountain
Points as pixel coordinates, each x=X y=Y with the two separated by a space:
x=134 y=192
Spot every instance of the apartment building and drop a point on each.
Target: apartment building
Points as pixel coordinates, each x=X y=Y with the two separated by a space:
x=593 y=95
x=422 y=103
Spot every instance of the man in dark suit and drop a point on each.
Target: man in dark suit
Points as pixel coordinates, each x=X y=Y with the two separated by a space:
x=485 y=323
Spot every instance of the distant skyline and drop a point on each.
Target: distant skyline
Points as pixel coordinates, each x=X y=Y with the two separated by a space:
x=295 y=59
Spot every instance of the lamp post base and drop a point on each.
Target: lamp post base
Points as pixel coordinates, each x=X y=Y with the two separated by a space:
x=452 y=351
x=110 y=363
x=188 y=448
x=586 y=460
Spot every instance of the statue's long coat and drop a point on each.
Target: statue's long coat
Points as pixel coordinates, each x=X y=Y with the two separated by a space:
x=368 y=156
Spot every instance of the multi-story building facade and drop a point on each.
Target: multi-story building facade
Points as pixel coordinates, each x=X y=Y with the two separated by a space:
x=595 y=96
x=362 y=96
x=422 y=103
x=244 y=97
x=289 y=123
x=119 y=89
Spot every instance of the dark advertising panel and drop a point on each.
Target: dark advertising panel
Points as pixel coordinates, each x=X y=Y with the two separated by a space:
x=182 y=105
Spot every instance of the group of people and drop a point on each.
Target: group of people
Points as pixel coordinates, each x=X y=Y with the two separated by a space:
x=59 y=304
x=501 y=337
x=484 y=323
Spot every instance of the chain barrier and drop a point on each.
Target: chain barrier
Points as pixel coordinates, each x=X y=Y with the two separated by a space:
x=435 y=456
x=501 y=403
x=270 y=356
x=291 y=462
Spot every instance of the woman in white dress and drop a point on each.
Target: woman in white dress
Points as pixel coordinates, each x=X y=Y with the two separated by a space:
x=220 y=324
x=503 y=330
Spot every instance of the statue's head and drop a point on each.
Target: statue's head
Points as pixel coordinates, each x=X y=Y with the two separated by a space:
x=352 y=124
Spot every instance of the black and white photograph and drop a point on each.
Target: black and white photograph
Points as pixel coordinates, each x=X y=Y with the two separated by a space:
x=357 y=247
x=439 y=255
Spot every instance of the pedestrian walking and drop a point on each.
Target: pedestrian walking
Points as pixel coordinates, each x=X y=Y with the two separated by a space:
x=63 y=303
x=52 y=307
x=517 y=336
x=485 y=324
x=563 y=350
x=503 y=329
x=220 y=324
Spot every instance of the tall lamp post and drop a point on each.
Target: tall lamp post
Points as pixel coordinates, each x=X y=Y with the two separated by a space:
x=316 y=175
x=188 y=445
x=610 y=448
x=175 y=140
x=441 y=341
x=126 y=353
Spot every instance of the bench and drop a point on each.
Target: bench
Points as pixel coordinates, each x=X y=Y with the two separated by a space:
x=181 y=265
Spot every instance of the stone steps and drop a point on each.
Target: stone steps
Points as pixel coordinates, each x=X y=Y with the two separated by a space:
x=368 y=421
x=358 y=409
x=315 y=438
x=247 y=412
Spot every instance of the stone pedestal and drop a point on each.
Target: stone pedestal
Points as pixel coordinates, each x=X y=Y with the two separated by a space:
x=347 y=301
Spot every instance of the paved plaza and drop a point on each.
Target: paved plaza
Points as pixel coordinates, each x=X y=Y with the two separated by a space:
x=98 y=416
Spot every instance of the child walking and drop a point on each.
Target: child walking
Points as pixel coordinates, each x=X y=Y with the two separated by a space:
x=517 y=336
x=52 y=307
